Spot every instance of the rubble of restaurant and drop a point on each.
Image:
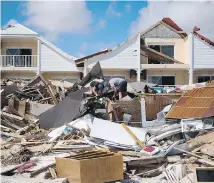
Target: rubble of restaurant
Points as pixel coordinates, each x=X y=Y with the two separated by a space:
x=51 y=133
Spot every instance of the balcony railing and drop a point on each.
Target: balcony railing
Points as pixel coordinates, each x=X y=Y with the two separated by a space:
x=19 y=60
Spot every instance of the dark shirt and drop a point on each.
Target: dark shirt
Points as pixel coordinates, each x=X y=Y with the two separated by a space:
x=94 y=84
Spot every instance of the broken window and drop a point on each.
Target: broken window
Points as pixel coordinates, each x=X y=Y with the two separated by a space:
x=202 y=79
x=162 y=80
x=165 y=49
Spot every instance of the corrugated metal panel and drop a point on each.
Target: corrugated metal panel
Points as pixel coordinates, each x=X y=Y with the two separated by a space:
x=126 y=56
x=203 y=54
x=156 y=103
x=196 y=103
x=52 y=61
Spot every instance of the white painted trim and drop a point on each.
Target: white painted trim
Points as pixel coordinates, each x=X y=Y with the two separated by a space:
x=160 y=43
x=139 y=60
x=191 y=55
x=38 y=57
x=18 y=48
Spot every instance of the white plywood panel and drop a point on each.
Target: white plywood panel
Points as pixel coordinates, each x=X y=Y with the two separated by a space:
x=203 y=54
x=114 y=132
x=53 y=61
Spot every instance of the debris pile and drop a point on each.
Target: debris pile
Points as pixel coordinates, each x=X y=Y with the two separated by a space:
x=53 y=135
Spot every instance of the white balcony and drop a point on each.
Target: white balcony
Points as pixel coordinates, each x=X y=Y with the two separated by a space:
x=18 y=62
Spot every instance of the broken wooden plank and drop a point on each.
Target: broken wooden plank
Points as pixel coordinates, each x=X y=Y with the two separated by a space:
x=14 y=135
x=133 y=135
x=12 y=116
x=130 y=153
x=209 y=162
x=145 y=161
x=8 y=123
x=53 y=173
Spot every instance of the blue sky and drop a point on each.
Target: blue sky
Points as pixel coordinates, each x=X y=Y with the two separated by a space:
x=85 y=27
x=106 y=29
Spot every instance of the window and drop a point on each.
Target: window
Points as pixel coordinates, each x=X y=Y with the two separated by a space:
x=22 y=57
x=165 y=49
x=202 y=79
x=162 y=80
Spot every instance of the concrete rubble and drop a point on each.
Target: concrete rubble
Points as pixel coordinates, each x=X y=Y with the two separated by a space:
x=42 y=122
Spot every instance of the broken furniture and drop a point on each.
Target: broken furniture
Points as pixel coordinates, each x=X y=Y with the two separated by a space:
x=91 y=167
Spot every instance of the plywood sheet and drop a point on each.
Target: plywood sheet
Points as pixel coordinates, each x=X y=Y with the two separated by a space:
x=114 y=132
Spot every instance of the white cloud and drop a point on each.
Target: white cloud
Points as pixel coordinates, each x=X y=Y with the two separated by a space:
x=185 y=14
x=128 y=7
x=101 y=24
x=55 y=17
x=111 y=10
x=10 y=22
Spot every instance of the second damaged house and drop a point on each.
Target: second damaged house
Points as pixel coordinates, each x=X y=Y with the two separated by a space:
x=162 y=54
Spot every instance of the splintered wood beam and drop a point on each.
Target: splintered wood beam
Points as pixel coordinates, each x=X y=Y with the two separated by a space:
x=132 y=135
x=11 y=116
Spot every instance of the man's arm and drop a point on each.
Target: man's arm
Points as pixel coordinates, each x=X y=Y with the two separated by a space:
x=94 y=91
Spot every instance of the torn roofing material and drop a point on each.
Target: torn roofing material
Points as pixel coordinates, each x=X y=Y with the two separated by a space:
x=63 y=112
x=204 y=38
x=155 y=55
x=196 y=103
x=95 y=73
x=172 y=24
x=81 y=60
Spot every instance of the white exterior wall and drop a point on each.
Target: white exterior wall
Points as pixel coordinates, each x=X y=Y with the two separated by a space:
x=53 y=61
x=203 y=54
x=125 y=56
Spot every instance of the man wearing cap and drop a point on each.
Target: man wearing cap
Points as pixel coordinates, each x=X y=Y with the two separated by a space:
x=118 y=85
x=95 y=88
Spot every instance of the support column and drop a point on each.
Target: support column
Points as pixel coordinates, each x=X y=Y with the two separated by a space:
x=191 y=58
x=138 y=74
x=38 y=57
x=191 y=76
x=139 y=63
x=85 y=72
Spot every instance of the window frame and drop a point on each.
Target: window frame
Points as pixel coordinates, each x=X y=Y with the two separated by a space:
x=24 y=48
x=19 y=61
x=163 y=44
x=161 y=79
x=211 y=76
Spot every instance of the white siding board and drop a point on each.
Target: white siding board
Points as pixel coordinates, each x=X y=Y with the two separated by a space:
x=53 y=61
x=203 y=54
x=125 y=56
